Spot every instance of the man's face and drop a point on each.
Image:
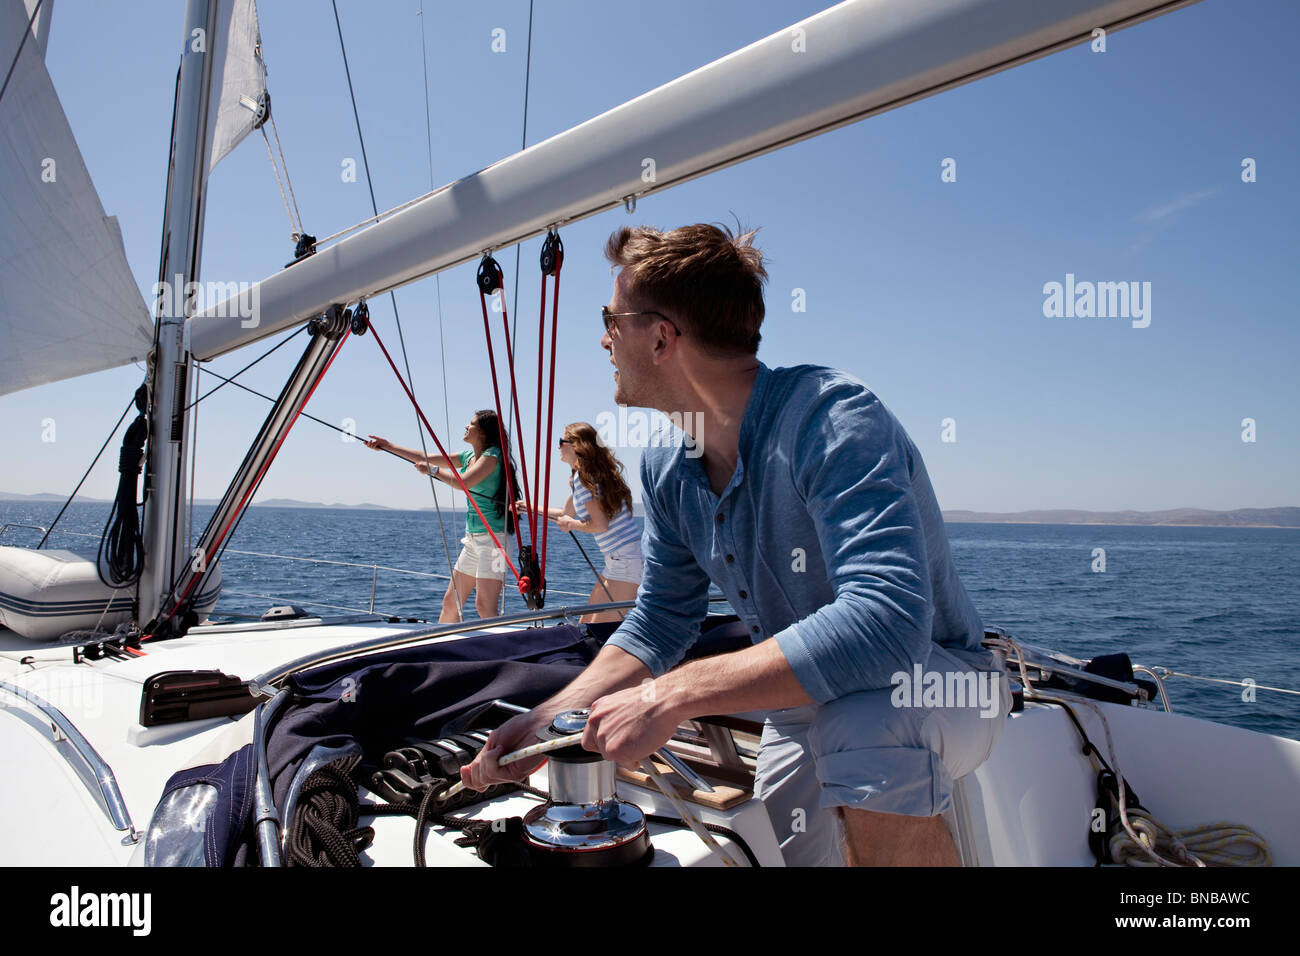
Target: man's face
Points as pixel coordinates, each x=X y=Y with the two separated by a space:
x=628 y=341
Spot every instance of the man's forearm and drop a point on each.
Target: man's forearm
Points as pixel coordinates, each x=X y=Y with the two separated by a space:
x=628 y=725
x=756 y=678
x=613 y=669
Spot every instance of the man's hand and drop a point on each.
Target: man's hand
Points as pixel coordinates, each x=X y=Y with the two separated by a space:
x=515 y=734
x=422 y=467
x=629 y=725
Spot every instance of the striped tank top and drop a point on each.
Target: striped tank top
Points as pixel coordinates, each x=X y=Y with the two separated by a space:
x=621 y=535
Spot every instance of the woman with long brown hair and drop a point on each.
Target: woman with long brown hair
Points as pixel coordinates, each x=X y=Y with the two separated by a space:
x=600 y=504
x=481 y=568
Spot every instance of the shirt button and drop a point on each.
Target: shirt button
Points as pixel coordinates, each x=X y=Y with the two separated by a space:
x=731 y=559
x=744 y=594
x=754 y=628
x=721 y=518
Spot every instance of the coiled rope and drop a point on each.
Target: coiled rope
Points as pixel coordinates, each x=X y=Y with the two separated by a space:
x=1143 y=840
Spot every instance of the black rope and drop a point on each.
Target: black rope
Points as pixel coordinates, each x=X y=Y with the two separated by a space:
x=324 y=831
x=120 y=561
x=121 y=418
x=253 y=391
x=599 y=579
x=22 y=43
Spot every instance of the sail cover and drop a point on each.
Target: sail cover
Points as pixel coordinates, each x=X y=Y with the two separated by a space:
x=238 y=78
x=68 y=302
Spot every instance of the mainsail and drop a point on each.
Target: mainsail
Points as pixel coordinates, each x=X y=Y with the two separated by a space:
x=68 y=302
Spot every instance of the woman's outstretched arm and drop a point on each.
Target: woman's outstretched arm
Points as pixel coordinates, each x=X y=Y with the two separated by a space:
x=412 y=455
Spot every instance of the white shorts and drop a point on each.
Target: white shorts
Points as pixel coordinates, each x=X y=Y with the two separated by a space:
x=875 y=750
x=480 y=558
x=623 y=565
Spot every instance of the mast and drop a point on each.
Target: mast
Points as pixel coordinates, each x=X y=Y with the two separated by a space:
x=164 y=541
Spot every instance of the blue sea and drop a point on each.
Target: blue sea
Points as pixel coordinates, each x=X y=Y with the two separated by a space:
x=1212 y=602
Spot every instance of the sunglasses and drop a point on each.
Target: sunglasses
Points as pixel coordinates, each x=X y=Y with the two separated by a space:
x=565 y=441
x=608 y=317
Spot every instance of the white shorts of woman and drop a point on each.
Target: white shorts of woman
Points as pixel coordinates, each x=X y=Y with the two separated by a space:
x=481 y=558
x=623 y=565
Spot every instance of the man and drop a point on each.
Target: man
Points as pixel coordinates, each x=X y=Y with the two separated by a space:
x=804 y=500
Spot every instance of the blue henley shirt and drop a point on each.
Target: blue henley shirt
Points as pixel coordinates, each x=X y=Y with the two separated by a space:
x=828 y=537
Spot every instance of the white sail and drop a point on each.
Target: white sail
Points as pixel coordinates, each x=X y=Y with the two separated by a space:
x=68 y=302
x=238 y=76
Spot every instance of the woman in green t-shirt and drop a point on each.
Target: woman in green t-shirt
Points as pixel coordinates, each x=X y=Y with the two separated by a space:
x=481 y=566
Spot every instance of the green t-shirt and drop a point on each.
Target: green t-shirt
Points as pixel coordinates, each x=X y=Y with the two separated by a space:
x=484 y=495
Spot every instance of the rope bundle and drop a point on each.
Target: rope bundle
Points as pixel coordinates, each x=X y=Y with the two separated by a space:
x=1212 y=844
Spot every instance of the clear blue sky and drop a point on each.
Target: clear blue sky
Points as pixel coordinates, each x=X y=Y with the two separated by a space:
x=1122 y=166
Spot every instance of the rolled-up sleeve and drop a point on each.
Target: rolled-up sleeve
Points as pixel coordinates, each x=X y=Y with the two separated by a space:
x=853 y=471
x=673 y=597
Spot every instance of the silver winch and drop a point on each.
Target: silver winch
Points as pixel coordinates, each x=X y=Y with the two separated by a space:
x=584 y=823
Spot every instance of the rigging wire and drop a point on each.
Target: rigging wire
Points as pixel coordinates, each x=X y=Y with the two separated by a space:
x=295 y=226
x=437 y=279
x=21 y=43
x=319 y=421
x=253 y=391
x=442 y=345
x=528 y=72
x=224 y=535
x=283 y=162
x=229 y=381
x=374 y=207
x=376 y=217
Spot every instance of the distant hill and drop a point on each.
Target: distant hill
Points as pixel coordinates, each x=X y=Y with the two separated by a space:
x=1189 y=517
x=294 y=503
x=268 y=503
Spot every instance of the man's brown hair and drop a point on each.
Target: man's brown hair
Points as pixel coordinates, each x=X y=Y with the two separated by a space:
x=710 y=280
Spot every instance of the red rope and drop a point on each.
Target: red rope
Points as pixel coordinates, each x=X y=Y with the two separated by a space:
x=443 y=451
x=550 y=408
x=537 y=446
x=505 y=439
x=519 y=425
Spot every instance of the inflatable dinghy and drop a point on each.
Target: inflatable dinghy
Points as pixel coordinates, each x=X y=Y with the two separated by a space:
x=46 y=593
